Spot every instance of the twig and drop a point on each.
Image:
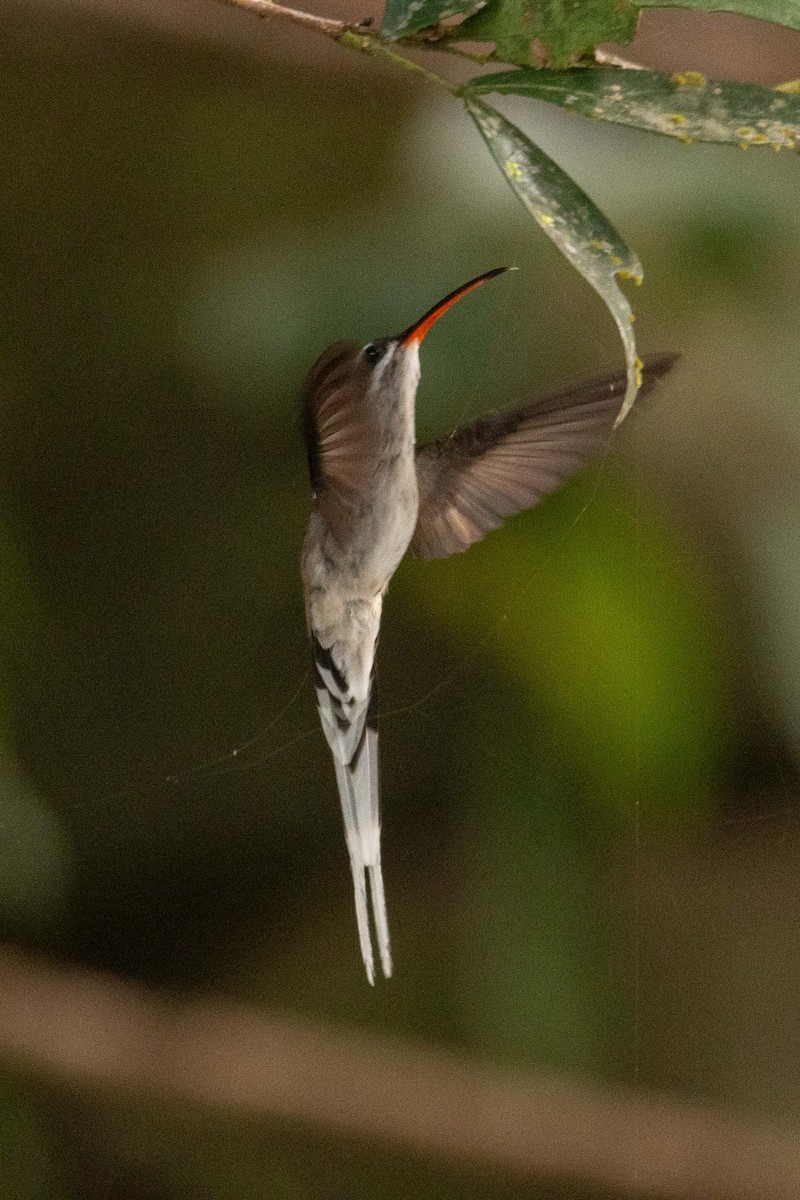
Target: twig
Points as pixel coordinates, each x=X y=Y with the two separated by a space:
x=354 y=37
x=94 y=1033
x=267 y=8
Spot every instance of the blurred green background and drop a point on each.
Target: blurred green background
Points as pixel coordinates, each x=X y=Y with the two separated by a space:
x=589 y=734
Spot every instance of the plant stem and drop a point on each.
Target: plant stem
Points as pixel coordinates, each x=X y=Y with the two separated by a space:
x=443 y=47
x=267 y=8
x=368 y=43
x=353 y=37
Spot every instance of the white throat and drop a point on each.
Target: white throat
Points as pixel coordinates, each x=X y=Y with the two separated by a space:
x=393 y=389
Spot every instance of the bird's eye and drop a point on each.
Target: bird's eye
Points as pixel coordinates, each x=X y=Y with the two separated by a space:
x=372 y=354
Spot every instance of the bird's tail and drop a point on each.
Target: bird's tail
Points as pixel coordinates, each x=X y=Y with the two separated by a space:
x=358 y=791
x=352 y=735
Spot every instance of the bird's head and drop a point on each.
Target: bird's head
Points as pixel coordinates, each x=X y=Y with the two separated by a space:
x=387 y=362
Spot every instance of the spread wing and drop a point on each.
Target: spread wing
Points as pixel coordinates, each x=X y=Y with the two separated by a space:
x=341 y=434
x=501 y=464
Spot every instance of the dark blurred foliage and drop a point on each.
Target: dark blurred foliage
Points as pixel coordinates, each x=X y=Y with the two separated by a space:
x=589 y=740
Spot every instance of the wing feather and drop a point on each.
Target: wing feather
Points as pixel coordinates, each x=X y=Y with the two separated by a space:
x=472 y=479
x=342 y=435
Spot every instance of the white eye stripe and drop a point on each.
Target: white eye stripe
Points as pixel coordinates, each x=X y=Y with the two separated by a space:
x=379 y=372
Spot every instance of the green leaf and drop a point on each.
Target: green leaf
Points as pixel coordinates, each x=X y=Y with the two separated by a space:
x=403 y=17
x=684 y=105
x=781 y=12
x=567 y=215
x=508 y=24
x=565 y=30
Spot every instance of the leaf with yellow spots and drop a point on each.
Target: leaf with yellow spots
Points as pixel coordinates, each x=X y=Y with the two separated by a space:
x=685 y=105
x=566 y=214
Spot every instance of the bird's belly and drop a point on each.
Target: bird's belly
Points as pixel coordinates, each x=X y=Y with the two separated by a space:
x=344 y=587
x=379 y=529
x=382 y=530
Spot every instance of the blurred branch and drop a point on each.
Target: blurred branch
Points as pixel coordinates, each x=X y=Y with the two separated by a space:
x=94 y=1033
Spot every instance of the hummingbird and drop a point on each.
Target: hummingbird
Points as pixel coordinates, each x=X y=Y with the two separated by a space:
x=375 y=495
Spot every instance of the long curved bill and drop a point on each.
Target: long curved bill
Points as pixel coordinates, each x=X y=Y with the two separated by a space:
x=418 y=331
